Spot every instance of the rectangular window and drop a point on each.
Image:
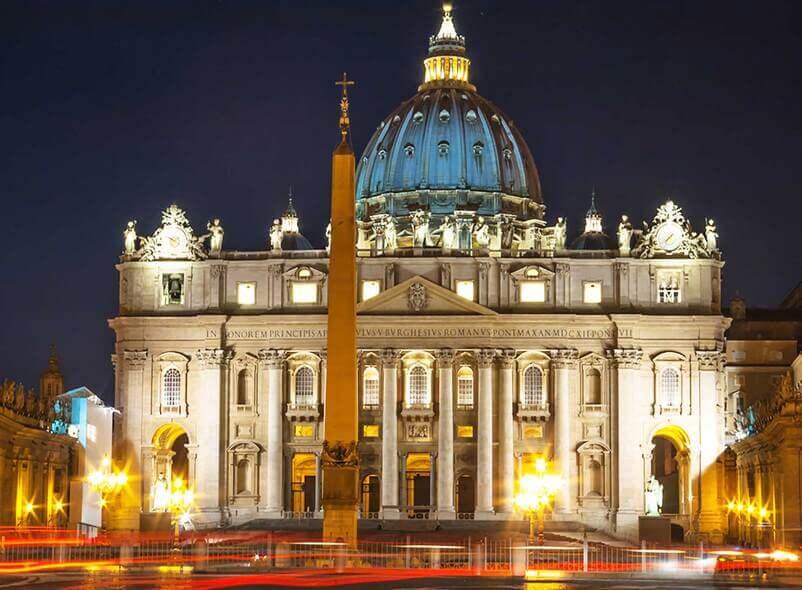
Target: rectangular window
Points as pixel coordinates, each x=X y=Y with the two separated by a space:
x=304 y=431
x=91 y=432
x=370 y=289
x=370 y=430
x=668 y=288
x=303 y=292
x=246 y=293
x=592 y=291
x=532 y=291
x=173 y=289
x=465 y=289
x=464 y=431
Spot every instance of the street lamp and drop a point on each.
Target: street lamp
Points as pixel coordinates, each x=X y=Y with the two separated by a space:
x=536 y=491
x=106 y=481
x=179 y=504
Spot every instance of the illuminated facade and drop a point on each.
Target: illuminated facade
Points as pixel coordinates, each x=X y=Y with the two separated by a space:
x=487 y=339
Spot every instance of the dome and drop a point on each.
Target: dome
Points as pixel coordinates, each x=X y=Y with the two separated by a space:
x=285 y=233
x=593 y=238
x=447 y=148
x=295 y=241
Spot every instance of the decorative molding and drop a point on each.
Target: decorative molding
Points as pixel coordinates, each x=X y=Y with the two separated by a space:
x=564 y=358
x=272 y=358
x=417 y=297
x=390 y=358
x=485 y=358
x=218 y=271
x=339 y=454
x=710 y=360
x=211 y=358
x=625 y=358
x=135 y=359
x=445 y=358
x=506 y=358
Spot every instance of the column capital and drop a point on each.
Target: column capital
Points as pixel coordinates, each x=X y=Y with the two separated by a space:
x=625 y=358
x=710 y=360
x=211 y=358
x=564 y=358
x=272 y=358
x=390 y=358
x=445 y=358
x=135 y=359
x=485 y=358
x=506 y=358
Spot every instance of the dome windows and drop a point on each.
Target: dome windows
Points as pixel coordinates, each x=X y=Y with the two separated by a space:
x=417 y=118
x=471 y=116
x=444 y=116
x=507 y=154
x=443 y=147
x=382 y=154
x=396 y=119
x=478 y=148
x=409 y=150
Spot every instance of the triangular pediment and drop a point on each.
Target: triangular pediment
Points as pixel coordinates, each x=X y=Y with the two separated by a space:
x=420 y=296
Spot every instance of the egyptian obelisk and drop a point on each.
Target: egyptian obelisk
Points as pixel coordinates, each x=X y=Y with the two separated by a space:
x=340 y=460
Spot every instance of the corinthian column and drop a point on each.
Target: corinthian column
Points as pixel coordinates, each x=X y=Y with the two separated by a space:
x=711 y=443
x=389 y=477
x=628 y=478
x=506 y=460
x=211 y=496
x=132 y=395
x=484 y=451
x=564 y=363
x=445 y=435
x=273 y=361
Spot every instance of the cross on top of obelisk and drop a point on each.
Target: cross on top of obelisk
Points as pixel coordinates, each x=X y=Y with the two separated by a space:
x=345 y=83
x=345 y=121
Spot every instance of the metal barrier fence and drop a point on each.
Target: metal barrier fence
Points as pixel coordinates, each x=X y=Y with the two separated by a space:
x=486 y=555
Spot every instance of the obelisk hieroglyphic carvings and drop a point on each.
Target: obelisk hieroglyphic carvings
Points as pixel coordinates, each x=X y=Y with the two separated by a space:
x=340 y=461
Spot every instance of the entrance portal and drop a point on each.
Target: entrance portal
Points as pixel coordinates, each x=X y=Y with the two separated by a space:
x=419 y=498
x=304 y=482
x=670 y=466
x=170 y=467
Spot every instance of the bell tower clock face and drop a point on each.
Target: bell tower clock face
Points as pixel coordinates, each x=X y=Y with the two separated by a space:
x=174 y=241
x=669 y=236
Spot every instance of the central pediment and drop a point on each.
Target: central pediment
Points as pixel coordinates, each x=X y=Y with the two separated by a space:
x=420 y=296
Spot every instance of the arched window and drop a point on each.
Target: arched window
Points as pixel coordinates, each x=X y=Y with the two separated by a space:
x=242 y=476
x=171 y=388
x=304 y=387
x=670 y=388
x=593 y=395
x=533 y=387
x=465 y=387
x=370 y=387
x=244 y=387
x=418 y=387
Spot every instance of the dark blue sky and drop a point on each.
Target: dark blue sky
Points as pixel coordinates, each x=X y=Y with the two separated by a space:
x=111 y=110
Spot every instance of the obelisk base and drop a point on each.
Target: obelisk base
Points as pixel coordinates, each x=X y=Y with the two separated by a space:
x=340 y=503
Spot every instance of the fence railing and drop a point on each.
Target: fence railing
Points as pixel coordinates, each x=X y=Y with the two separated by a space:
x=488 y=555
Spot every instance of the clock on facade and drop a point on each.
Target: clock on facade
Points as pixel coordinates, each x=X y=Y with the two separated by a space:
x=669 y=236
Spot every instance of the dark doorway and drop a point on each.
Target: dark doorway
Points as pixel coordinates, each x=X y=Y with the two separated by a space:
x=370 y=494
x=466 y=495
x=309 y=493
x=421 y=491
x=180 y=464
x=666 y=470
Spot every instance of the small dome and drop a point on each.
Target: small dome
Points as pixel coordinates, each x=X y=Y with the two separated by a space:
x=594 y=241
x=295 y=241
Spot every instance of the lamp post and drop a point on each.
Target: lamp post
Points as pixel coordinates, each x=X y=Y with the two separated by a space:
x=106 y=481
x=181 y=500
x=536 y=491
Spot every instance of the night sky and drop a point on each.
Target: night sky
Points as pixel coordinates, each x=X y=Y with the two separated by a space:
x=111 y=110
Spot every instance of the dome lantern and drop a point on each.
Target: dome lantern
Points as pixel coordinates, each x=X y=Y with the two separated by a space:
x=446 y=64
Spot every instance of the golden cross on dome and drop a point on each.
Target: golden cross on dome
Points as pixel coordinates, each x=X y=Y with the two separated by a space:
x=345 y=121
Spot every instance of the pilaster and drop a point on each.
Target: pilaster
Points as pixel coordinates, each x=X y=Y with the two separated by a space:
x=389 y=477
x=484 y=452
x=273 y=361
x=445 y=435
x=564 y=363
x=506 y=430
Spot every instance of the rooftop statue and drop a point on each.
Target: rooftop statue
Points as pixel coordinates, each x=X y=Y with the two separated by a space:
x=624 y=236
x=215 y=236
x=276 y=235
x=129 y=238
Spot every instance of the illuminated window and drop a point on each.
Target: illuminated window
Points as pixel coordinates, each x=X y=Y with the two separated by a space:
x=465 y=387
x=304 y=273
x=370 y=388
x=532 y=394
x=246 y=293
x=670 y=392
x=91 y=432
x=533 y=431
x=465 y=289
x=171 y=388
x=592 y=292
x=370 y=430
x=304 y=292
x=465 y=431
x=418 y=387
x=304 y=387
x=304 y=430
x=370 y=289
x=532 y=291
x=172 y=289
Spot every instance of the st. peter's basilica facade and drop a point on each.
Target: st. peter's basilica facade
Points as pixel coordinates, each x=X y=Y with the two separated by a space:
x=487 y=338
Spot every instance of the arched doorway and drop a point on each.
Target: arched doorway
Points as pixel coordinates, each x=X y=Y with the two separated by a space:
x=370 y=496
x=170 y=466
x=670 y=467
x=466 y=495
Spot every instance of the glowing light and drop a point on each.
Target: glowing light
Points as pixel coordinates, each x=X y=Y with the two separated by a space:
x=763 y=513
x=58 y=505
x=730 y=505
x=28 y=507
x=780 y=555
